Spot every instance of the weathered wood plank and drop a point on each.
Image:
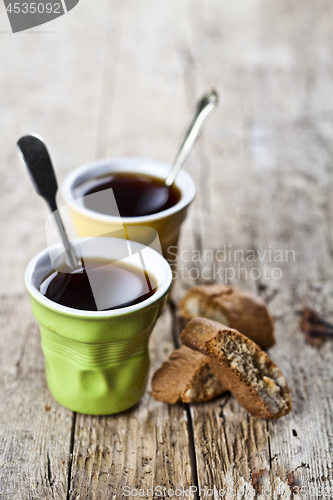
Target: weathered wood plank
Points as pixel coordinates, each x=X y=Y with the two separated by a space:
x=148 y=446
x=50 y=85
x=145 y=448
x=35 y=431
x=267 y=181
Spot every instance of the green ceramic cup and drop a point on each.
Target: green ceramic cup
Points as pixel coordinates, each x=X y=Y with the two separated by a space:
x=97 y=362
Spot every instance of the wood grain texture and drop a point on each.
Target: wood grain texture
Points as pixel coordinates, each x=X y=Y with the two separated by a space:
x=121 y=79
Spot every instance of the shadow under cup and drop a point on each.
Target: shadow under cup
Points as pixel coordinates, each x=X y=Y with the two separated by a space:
x=167 y=223
x=97 y=362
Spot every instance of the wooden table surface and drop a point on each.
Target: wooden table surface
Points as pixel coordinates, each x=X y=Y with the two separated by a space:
x=118 y=78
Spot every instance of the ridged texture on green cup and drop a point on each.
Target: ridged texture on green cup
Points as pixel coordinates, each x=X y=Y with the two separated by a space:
x=97 y=365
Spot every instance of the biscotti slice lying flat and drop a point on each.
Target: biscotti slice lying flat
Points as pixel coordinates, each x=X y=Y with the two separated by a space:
x=233 y=307
x=186 y=376
x=242 y=367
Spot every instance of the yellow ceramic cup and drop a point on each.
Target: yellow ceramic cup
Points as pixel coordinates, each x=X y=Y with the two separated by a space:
x=167 y=223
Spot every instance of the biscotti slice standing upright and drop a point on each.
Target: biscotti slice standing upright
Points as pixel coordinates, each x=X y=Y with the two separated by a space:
x=186 y=376
x=233 y=307
x=242 y=367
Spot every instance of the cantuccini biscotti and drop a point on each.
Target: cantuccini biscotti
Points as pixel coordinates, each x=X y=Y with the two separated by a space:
x=186 y=376
x=233 y=307
x=242 y=367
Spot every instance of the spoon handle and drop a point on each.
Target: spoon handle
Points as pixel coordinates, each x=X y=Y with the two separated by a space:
x=72 y=258
x=203 y=111
x=35 y=156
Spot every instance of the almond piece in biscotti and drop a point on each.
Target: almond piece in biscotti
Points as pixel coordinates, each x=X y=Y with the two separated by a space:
x=233 y=307
x=242 y=367
x=186 y=376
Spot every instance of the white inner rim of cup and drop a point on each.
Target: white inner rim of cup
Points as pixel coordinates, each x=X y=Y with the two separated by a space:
x=159 y=169
x=40 y=267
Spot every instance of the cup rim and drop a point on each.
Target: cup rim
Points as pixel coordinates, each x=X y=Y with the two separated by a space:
x=162 y=289
x=183 y=182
